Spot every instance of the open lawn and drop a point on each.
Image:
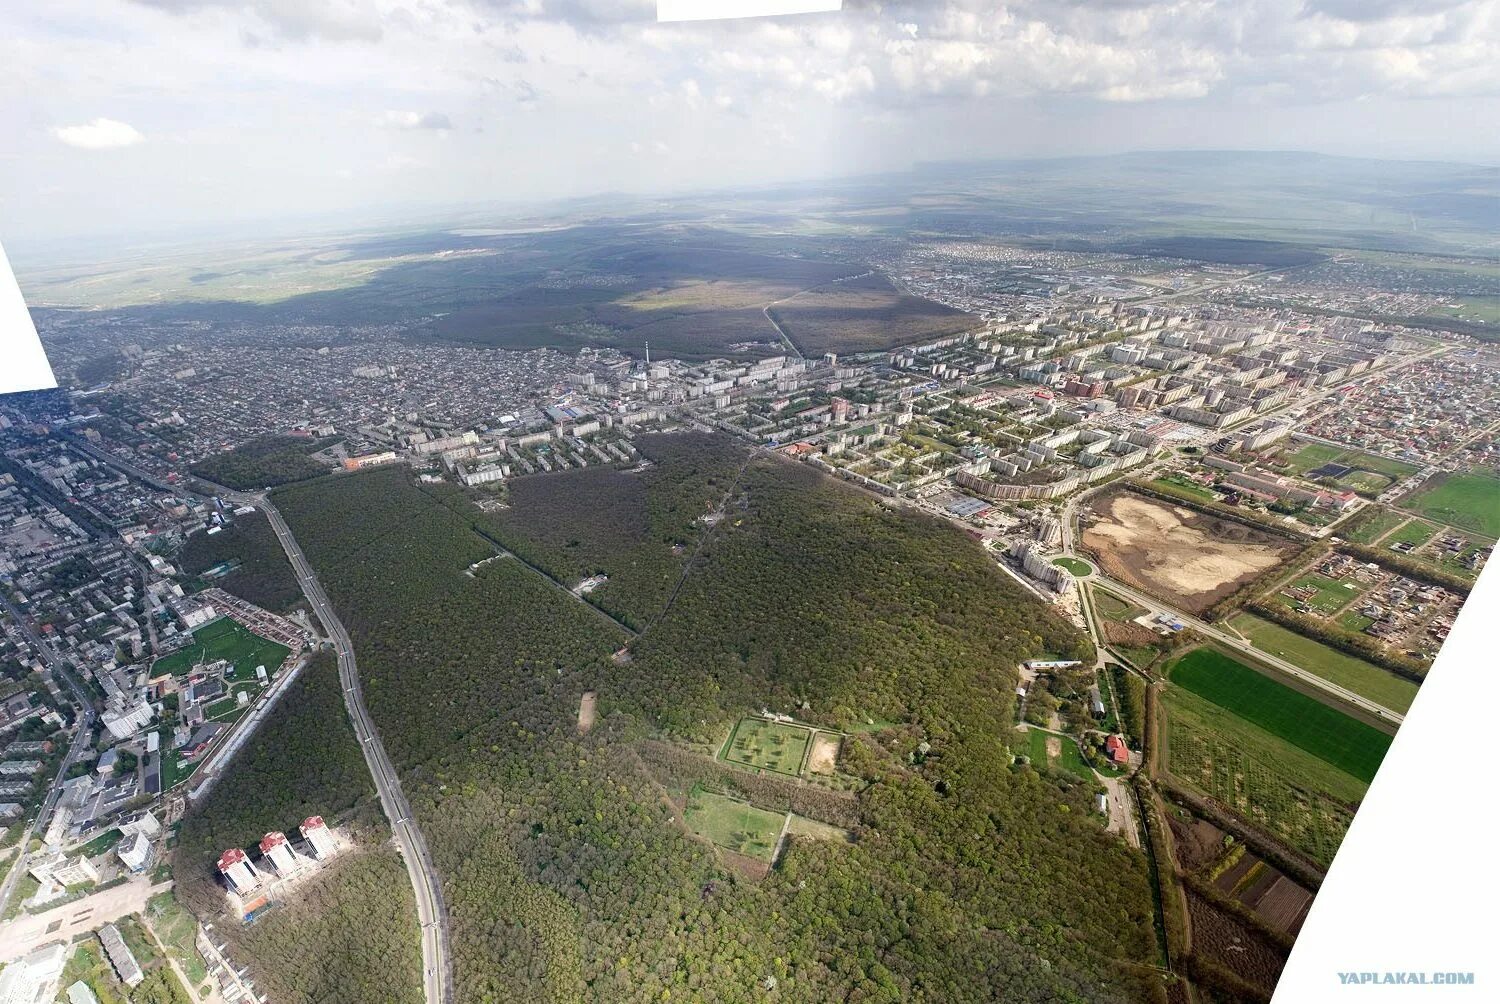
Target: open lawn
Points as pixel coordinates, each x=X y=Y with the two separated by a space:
x=1350 y=672
x=1077 y=566
x=1057 y=752
x=1416 y=533
x=730 y=823
x=1330 y=595
x=1311 y=456
x=758 y=744
x=224 y=638
x=1468 y=501
x=1303 y=721
x=1367 y=529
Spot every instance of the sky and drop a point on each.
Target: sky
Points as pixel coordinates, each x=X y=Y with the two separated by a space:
x=137 y=116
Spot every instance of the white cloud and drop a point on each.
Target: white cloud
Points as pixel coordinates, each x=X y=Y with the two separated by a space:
x=416 y=120
x=99 y=134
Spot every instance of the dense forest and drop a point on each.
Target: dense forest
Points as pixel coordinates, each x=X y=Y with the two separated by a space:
x=567 y=872
x=263 y=463
x=262 y=576
x=350 y=935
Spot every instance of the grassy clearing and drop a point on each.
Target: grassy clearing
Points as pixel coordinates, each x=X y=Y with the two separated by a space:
x=1350 y=672
x=1330 y=595
x=1067 y=758
x=1112 y=608
x=1370 y=530
x=1314 y=455
x=177 y=930
x=730 y=823
x=763 y=745
x=1305 y=722
x=1182 y=484
x=224 y=638
x=1467 y=501
x=1416 y=533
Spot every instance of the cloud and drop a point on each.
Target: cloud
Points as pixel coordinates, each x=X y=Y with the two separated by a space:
x=99 y=134
x=295 y=20
x=413 y=121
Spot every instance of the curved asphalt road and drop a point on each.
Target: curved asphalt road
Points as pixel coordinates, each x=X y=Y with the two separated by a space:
x=437 y=971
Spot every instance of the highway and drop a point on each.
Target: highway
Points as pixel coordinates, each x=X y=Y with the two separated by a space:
x=437 y=972
x=1237 y=643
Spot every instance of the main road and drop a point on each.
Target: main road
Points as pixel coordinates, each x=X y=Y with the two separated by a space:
x=437 y=971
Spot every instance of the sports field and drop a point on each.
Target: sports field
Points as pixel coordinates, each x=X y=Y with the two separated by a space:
x=761 y=744
x=1311 y=456
x=1468 y=501
x=1350 y=672
x=1307 y=723
x=224 y=639
x=730 y=823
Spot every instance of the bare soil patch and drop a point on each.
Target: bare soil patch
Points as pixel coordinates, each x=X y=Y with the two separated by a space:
x=825 y=753
x=1184 y=556
x=588 y=712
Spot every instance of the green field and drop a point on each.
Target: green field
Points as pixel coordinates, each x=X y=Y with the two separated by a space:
x=1369 y=530
x=1077 y=566
x=1112 y=608
x=1468 y=501
x=760 y=744
x=1181 y=484
x=1068 y=759
x=1416 y=533
x=1349 y=672
x=1303 y=721
x=1330 y=596
x=730 y=823
x=1269 y=783
x=224 y=639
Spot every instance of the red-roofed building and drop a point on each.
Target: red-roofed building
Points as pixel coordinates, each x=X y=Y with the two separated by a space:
x=1117 y=751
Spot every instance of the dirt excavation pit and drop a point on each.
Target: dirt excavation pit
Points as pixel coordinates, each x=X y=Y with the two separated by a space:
x=1179 y=554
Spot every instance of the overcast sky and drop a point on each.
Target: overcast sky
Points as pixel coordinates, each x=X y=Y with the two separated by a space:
x=143 y=114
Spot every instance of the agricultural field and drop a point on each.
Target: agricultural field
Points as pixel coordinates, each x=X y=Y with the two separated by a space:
x=1270 y=783
x=862 y=314
x=1184 y=556
x=1466 y=501
x=1290 y=715
x=823 y=758
x=224 y=638
x=732 y=824
x=1352 y=673
x=764 y=745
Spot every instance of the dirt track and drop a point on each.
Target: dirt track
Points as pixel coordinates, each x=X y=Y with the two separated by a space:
x=1179 y=554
